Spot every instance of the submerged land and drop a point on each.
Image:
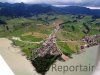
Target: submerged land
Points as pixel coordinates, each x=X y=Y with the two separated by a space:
x=46 y=37
x=20 y=65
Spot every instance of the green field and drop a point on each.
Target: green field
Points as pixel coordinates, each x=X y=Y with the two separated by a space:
x=65 y=48
x=74 y=27
x=32 y=30
x=25 y=47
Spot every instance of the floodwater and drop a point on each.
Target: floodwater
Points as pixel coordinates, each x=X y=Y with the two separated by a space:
x=17 y=63
x=82 y=64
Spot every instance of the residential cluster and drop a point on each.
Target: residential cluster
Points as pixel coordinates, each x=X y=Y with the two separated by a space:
x=90 y=41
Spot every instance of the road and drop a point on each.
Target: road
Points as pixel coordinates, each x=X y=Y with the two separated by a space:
x=50 y=44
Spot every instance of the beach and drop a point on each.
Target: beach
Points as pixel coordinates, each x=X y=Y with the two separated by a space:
x=18 y=63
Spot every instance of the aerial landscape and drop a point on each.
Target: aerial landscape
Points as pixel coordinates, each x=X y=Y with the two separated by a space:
x=45 y=34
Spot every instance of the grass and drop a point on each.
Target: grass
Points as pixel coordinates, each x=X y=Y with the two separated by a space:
x=70 y=31
x=65 y=48
x=31 y=38
x=43 y=25
x=94 y=32
x=74 y=45
x=48 y=32
x=77 y=34
x=25 y=47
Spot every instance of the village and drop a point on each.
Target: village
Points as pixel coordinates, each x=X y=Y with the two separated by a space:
x=90 y=41
x=49 y=45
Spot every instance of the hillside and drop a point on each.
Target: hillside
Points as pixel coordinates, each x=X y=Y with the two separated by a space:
x=46 y=33
x=26 y=10
x=73 y=29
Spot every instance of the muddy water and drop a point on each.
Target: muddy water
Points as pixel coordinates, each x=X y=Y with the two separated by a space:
x=82 y=64
x=18 y=63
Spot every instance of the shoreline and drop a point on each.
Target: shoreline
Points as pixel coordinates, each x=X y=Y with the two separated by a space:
x=87 y=58
x=9 y=53
x=17 y=62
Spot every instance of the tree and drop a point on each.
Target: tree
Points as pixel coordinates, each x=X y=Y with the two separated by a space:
x=2 y=22
x=4 y=25
x=86 y=27
x=73 y=28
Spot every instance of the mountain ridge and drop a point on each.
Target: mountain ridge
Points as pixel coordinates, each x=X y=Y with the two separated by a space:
x=26 y=10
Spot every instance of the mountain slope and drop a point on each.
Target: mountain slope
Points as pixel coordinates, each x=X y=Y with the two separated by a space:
x=21 y=9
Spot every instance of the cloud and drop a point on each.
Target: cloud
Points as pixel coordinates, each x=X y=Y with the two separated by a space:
x=90 y=3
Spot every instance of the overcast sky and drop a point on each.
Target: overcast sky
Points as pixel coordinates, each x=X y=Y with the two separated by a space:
x=88 y=3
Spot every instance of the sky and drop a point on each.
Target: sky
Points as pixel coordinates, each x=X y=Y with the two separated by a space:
x=93 y=4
